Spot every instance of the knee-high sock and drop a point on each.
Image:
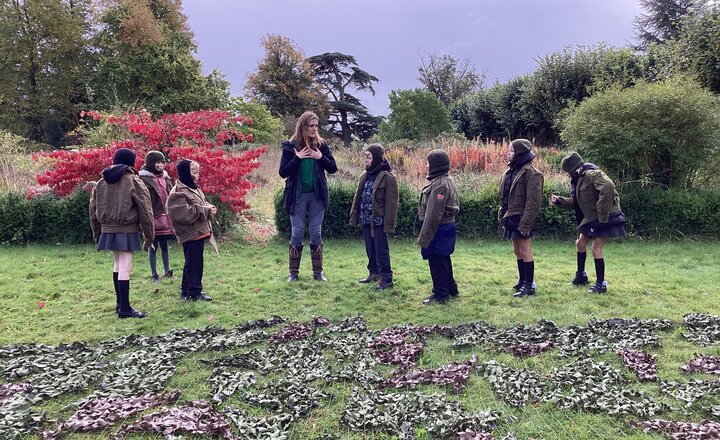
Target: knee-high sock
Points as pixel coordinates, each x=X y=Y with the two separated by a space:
x=581 y=257
x=600 y=270
x=529 y=271
x=521 y=269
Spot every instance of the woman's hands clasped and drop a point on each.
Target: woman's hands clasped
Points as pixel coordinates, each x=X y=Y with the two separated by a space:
x=308 y=153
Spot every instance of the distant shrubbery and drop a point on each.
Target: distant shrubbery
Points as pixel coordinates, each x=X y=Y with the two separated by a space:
x=651 y=213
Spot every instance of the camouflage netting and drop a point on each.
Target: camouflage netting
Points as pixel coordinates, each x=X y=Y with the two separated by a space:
x=266 y=376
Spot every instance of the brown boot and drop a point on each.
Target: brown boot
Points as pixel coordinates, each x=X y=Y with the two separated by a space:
x=316 y=253
x=294 y=255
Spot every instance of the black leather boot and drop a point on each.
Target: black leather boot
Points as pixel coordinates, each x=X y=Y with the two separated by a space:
x=294 y=256
x=316 y=254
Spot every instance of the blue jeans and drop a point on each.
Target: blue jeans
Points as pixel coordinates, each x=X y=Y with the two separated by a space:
x=307 y=206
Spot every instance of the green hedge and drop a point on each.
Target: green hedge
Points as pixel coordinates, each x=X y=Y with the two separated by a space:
x=651 y=213
x=48 y=218
x=672 y=213
x=45 y=218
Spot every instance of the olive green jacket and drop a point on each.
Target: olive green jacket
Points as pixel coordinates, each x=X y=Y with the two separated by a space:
x=596 y=196
x=189 y=213
x=439 y=204
x=385 y=199
x=123 y=206
x=526 y=196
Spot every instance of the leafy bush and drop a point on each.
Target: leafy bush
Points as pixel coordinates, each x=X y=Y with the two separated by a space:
x=672 y=213
x=414 y=114
x=49 y=218
x=660 y=132
x=197 y=136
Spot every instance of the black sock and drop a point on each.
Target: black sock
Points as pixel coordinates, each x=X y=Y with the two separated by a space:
x=521 y=269
x=529 y=271
x=600 y=270
x=581 y=257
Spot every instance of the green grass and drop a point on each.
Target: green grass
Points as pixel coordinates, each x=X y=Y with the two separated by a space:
x=647 y=280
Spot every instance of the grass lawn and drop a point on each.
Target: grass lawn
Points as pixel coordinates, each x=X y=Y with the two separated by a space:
x=646 y=280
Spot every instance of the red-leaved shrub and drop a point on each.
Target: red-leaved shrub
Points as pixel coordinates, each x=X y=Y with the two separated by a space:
x=197 y=136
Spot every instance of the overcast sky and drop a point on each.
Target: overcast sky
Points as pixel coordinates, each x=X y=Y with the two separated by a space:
x=503 y=38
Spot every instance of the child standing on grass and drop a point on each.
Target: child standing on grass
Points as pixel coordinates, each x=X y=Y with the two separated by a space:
x=438 y=207
x=597 y=213
x=190 y=215
x=158 y=182
x=119 y=207
x=375 y=207
x=520 y=199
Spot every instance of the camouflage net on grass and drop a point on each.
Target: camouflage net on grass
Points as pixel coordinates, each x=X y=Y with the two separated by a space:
x=266 y=376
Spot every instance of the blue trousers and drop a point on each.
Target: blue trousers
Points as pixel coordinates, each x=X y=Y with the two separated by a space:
x=307 y=206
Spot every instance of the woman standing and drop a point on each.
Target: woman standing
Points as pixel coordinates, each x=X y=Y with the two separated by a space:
x=119 y=207
x=375 y=207
x=439 y=205
x=520 y=199
x=158 y=182
x=190 y=214
x=305 y=159
x=597 y=214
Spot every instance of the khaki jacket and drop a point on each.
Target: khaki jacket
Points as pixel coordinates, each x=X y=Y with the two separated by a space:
x=189 y=213
x=439 y=204
x=596 y=196
x=123 y=206
x=526 y=196
x=385 y=199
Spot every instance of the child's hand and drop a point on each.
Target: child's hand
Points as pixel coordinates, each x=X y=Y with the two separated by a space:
x=553 y=199
x=213 y=209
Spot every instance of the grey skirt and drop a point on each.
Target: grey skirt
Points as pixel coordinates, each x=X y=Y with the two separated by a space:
x=119 y=241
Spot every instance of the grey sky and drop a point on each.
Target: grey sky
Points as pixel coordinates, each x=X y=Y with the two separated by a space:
x=501 y=37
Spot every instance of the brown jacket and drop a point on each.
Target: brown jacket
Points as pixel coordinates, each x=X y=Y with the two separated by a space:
x=189 y=212
x=596 y=196
x=123 y=206
x=384 y=201
x=438 y=204
x=526 y=196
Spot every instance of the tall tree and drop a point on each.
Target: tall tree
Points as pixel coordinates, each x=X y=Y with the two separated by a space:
x=698 y=49
x=449 y=78
x=338 y=74
x=663 y=20
x=414 y=114
x=42 y=59
x=284 y=80
x=146 y=58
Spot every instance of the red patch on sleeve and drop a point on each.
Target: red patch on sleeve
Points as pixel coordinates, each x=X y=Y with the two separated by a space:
x=441 y=196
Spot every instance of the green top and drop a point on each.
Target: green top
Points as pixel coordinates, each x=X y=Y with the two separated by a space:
x=307 y=175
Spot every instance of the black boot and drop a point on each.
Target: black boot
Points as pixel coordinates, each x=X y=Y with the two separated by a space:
x=294 y=256
x=316 y=254
x=125 y=310
x=117 y=292
x=581 y=278
x=370 y=278
x=385 y=283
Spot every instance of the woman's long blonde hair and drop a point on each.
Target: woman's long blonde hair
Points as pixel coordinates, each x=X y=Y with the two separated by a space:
x=301 y=137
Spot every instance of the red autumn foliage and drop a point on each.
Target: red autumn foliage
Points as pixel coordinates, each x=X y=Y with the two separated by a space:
x=197 y=136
